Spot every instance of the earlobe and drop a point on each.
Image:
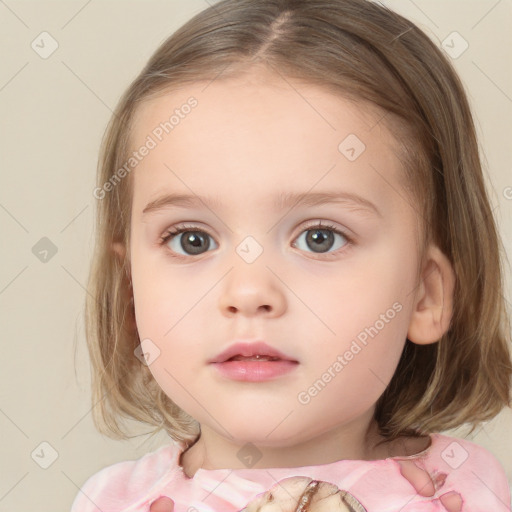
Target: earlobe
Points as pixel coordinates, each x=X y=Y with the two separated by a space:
x=433 y=307
x=119 y=248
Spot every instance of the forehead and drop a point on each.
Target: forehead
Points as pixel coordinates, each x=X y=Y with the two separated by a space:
x=261 y=96
x=257 y=133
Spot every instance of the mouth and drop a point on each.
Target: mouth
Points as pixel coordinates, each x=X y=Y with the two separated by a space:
x=253 y=362
x=252 y=351
x=253 y=358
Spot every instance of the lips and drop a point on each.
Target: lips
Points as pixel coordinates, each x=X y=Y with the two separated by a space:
x=252 y=363
x=245 y=351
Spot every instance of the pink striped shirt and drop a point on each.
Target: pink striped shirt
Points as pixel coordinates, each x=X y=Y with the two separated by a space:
x=131 y=486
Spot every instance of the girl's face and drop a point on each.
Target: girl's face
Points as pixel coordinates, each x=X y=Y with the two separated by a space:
x=255 y=268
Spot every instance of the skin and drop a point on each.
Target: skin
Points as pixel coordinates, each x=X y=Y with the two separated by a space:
x=248 y=139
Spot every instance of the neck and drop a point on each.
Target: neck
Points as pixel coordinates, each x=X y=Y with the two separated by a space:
x=356 y=441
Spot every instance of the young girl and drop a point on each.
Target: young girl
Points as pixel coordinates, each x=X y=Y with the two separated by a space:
x=297 y=271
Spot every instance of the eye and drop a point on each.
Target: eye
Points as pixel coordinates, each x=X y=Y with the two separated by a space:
x=193 y=240
x=321 y=238
x=187 y=240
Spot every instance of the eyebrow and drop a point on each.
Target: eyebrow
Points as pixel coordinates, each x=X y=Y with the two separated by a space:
x=282 y=201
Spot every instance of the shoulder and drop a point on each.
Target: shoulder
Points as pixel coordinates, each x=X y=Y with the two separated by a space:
x=472 y=471
x=457 y=453
x=123 y=484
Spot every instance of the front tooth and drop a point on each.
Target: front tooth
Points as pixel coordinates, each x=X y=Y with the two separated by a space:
x=253 y=358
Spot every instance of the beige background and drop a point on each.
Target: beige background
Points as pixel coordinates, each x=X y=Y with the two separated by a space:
x=54 y=112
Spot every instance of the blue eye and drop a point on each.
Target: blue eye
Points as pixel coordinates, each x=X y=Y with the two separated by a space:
x=319 y=238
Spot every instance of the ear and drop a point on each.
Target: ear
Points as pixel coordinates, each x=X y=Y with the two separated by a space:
x=120 y=249
x=433 y=306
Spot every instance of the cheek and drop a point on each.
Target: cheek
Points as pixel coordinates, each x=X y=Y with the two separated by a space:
x=168 y=312
x=164 y=296
x=368 y=310
x=349 y=381
x=358 y=292
x=165 y=327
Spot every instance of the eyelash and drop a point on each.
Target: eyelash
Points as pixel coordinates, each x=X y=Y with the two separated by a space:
x=172 y=232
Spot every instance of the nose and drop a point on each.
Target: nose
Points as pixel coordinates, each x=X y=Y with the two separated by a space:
x=252 y=290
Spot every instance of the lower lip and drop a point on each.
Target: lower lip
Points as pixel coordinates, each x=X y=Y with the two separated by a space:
x=255 y=371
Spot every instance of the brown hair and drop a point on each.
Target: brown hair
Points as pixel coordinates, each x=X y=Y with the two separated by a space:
x=362 y=51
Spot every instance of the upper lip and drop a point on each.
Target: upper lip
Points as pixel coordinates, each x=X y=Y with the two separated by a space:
x=248 y=349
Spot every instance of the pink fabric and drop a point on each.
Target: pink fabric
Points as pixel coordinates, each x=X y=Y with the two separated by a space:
x=379 y=485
